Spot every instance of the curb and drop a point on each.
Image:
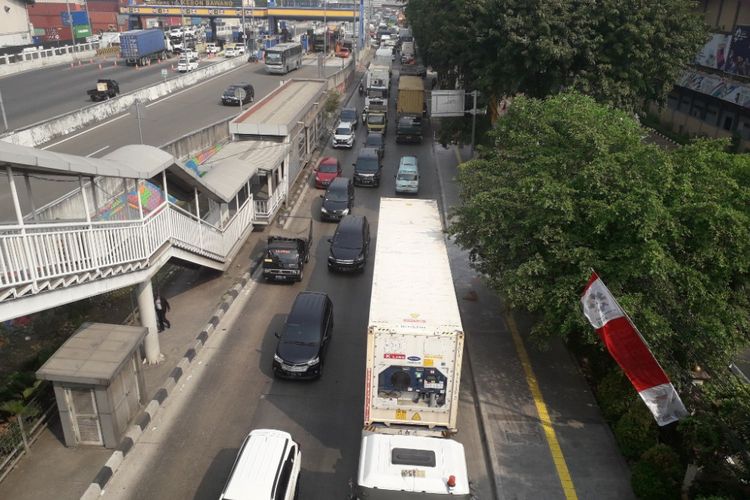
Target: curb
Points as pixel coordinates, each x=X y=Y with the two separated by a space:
x=128 y=442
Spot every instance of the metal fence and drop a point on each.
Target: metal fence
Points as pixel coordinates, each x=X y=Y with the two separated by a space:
x=19 y=432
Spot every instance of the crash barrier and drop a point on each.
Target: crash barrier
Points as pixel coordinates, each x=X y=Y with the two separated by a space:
x=16 y=63
x=40 y=133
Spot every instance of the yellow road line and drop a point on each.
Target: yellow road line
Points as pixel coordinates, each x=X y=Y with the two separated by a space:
x=549 y=431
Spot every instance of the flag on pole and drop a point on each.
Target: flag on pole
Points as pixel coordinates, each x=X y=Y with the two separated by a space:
x=630 y=351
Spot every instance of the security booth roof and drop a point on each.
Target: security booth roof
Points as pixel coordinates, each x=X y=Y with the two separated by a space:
x=237 y=162
x=93 y=355
x=278 y=112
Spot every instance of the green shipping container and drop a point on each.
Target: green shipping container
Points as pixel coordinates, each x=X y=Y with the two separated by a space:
x=82 y=31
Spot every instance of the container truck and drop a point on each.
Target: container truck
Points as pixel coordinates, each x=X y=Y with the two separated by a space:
x=410 y=107
x=384 y=57
x=413 y=364
x=139 y=47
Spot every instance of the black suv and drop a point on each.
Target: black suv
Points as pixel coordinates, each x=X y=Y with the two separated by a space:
x=302 y=345
x=377 y=141
x=367 y=168
x=229 y=98
x=338 y=200
x=350 y=115
x=350 y=244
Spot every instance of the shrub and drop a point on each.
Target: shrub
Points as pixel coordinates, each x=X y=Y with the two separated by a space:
x=615 y=395
x=635 y=431
x=657 y=475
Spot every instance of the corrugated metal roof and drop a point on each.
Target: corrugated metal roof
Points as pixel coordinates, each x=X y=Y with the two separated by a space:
x=136 y=161
x=278 y=112
x=238 y=161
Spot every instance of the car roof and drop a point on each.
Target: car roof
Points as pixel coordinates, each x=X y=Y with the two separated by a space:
x=338 y=183
x=368 y=152
x=307 y=308
x=350 y=223
x=407 y=161
x=375 y=135
x=344 y=124
x=329 y=160
x=351 y=110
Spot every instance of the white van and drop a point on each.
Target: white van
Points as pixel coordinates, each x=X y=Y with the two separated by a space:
x=267 y=468
x=187 y=62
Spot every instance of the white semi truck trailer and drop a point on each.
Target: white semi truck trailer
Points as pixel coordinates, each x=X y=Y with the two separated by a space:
x=413 y=371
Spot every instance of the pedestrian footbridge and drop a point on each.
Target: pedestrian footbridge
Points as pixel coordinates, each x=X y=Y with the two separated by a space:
x=85 y=244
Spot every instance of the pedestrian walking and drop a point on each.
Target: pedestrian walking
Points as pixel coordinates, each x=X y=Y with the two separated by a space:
x=162 y=307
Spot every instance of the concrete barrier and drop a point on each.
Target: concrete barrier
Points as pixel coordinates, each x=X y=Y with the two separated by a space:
x=40 y=133
x=11 y=64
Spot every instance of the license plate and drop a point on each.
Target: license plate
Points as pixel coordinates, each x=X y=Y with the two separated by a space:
x=295 y=369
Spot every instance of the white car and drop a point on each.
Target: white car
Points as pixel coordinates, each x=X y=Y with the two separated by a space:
x=212 y=48
x=343 y=136
x=187 y=63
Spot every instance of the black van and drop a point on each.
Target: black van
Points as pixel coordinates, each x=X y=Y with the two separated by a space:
x=367 y=168
x=300 y=352
x=338 y=200
x=350 y=244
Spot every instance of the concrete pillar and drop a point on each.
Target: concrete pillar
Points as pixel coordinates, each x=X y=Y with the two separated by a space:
x=269 y=181
x=31 y=197
x=147 y=312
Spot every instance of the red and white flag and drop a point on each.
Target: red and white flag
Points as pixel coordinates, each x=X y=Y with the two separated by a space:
x=630 y=351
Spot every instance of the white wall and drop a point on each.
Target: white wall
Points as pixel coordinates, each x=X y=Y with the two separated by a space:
x=14 y=23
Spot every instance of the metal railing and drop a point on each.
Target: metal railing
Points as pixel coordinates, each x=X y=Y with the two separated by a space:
x=264 y=209
x=23 y=429
x=33 y=256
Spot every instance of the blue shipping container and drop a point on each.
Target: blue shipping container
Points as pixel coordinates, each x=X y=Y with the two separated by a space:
x=137 y=44
x=79 y=18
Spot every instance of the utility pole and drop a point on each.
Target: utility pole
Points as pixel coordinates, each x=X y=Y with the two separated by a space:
x=473 y=122
x=2 y=108
x=325 y=32
x=244 y=37
x=70 y=20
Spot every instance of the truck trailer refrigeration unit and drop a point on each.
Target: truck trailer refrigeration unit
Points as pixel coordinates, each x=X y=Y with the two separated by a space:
x=413 y=371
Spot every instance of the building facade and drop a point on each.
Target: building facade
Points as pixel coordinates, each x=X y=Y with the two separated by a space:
x=14 y=20
x=712 y=97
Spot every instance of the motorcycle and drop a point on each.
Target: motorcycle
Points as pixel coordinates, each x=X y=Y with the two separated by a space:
x=361 y=90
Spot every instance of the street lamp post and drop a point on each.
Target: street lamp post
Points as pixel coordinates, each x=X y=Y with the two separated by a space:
x=244 y=37
x=325 y=30
x=70 y=20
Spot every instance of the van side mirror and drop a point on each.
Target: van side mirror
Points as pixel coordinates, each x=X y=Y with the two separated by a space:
x=322 y=196
x=329 y=240
x=276 y=334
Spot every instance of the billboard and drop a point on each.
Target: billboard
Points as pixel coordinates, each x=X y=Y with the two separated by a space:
x=714 y=54
x=79 y=18
x=738 y=60
x=716 y=86
x=447 y=103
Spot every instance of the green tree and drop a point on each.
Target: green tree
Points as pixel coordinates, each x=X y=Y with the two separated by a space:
x=569 y=185
x=620 y=51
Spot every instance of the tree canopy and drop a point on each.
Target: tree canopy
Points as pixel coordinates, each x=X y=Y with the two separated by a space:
x=570 y=185
x=619 y=51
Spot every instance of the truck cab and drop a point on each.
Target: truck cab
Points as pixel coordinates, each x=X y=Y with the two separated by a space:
x=410 y=467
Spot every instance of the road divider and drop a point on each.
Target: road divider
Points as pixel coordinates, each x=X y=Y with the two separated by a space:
x=40 y=133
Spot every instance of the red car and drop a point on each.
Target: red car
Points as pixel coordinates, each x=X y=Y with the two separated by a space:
x=328 y=169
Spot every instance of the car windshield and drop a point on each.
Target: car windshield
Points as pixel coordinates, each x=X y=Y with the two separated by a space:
x=348 y=239
x=367 y=164
x=285 y=255
x=407 y=177
x=336 y=195
x=376 y=119
x=305 y=334
x=375 y=93
x=273 y=58
x=230 y=91
x=328 y=168
x=343 y=131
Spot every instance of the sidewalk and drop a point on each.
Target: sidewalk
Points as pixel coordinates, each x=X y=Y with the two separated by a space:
x=518 y=447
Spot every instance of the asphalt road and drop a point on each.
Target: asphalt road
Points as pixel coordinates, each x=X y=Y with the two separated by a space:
x=235 y=391
x=41 y=94
x=164 y=120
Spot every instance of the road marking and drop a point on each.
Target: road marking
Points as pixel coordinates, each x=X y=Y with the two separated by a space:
x=549 y=431
x=173 y=94
x=97 y=151
x=87 y=130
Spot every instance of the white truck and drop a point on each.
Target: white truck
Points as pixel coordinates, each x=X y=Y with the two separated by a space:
x=383 y=57
x=413 y=373
x=378 y=86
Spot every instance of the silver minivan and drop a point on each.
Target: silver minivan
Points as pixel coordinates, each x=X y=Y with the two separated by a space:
x=407 y=177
